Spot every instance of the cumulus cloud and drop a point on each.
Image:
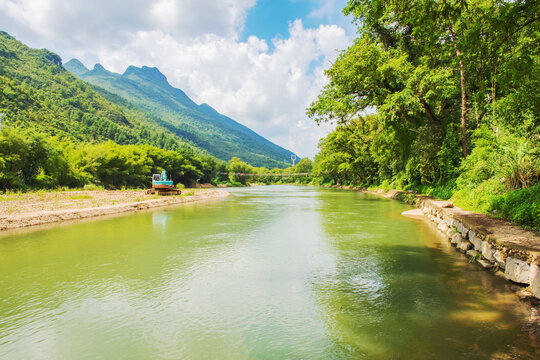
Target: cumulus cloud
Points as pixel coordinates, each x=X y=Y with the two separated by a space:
x=196 y=45
x=107 y=24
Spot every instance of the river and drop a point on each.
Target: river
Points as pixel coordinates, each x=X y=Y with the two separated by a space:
x=275 y=272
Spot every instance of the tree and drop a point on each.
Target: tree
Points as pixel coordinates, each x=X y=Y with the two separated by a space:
x=412 y=58
x=13 y=149
x=237 y=168
x=348 y=154
x=433 y=70
x=305 y=165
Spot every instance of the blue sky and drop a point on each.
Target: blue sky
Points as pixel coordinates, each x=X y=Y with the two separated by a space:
x=270 y=19
x=260 y=62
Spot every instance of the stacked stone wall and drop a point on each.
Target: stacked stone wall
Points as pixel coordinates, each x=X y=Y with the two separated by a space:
x=518 y=265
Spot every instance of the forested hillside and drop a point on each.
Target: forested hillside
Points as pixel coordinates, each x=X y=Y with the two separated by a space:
x=37 y=92
x=59 y=131
x=148 y=89
x=455 y=88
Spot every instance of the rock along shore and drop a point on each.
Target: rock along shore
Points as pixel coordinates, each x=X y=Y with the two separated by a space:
x=495 y=244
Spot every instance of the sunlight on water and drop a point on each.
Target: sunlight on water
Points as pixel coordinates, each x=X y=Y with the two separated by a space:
x=276 y=272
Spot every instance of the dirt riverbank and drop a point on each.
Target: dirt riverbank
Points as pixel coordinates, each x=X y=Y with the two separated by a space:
x=23 y=210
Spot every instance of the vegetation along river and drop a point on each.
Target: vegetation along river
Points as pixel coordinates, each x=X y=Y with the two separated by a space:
x=276 y=272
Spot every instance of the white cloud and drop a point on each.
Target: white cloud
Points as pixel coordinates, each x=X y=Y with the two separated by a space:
x=331 y=11
x=71 y=24
x=266 y=91
x=195 y=43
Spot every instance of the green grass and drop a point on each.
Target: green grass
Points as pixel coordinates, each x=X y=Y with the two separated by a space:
x=479 y=197
x=521 y=206
x=10 y=198
x=93 y=187
x=474 y=258
x=439 y=191
x=80 y=197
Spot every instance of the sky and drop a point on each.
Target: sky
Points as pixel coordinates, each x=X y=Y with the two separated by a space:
x=260 y=62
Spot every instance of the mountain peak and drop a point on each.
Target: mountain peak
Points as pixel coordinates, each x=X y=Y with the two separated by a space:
x=76 y=67
x=151 y=73
x=208 y=109
x=153 y=70
x=98 y=70
x=204 y=127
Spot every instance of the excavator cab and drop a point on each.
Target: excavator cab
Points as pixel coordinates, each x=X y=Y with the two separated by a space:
x=162 y=186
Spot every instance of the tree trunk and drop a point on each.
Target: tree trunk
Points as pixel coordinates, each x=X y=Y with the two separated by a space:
x=493 y=90
x=463 y=94
x=431 y=116
x=463 y=108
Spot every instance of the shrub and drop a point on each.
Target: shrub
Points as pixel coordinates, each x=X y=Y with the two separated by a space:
x=443 y=191
x=93 y=187
x=520 y=168
x=188 y=193
x=521 y=206
x=407 y=197
x=478 y=198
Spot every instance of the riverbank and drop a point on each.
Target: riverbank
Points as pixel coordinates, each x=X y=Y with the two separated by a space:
x=23 y=210
x=508 y=250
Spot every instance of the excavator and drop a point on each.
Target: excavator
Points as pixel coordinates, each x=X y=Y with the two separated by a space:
x=162 y=186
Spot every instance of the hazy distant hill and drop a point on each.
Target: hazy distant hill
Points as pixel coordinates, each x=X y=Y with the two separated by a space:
x=203 y=126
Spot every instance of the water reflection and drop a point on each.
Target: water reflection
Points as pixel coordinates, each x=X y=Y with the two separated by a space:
x=396 y=289
x=268 y=273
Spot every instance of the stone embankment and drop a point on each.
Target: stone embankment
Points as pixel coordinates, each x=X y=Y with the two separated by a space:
x=495 y=244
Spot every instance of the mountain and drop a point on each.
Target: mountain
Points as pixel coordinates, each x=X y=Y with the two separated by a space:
x=76 y=67
x=148 y=89
x=36 y=92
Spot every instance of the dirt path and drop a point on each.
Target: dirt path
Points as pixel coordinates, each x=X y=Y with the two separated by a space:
x=22 y=210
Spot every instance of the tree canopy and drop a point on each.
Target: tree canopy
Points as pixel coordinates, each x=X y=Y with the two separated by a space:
x=445 y=79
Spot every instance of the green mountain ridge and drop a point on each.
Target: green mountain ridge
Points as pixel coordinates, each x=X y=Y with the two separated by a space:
x=77 y=68
x=148 y=89
x=36 y=92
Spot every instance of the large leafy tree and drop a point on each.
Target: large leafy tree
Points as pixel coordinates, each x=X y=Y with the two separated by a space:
x=349 y=155
x=428 y=63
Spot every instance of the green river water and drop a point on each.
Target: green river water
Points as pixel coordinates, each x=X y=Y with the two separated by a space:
x=276 y=272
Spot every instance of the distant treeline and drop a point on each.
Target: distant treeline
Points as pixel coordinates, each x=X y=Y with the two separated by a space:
x=30 y=160
x=241 y=173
